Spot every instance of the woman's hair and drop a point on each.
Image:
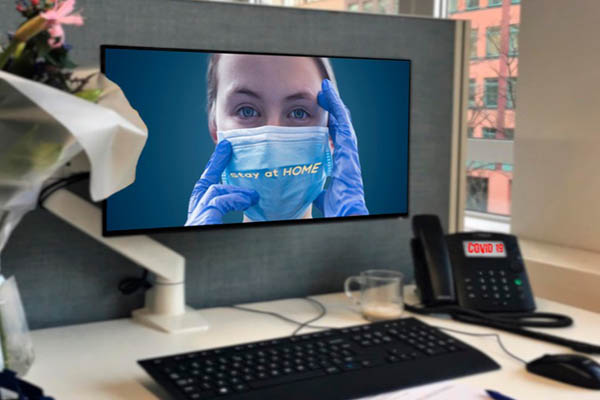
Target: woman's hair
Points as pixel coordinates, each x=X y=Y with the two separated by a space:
x=212 y=80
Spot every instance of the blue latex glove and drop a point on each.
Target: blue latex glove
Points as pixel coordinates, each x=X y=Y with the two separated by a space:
x=210 y=200
x=345 y=195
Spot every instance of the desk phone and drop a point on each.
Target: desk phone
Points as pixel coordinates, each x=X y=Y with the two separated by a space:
x=477 y=270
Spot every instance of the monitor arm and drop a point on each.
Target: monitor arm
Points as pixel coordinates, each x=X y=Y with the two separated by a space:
x=164 y=307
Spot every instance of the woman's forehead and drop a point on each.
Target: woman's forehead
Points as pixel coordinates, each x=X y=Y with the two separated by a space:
x=262 y=71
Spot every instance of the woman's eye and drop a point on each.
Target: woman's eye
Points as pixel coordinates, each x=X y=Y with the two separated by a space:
x=298 y=113
x=247 y=112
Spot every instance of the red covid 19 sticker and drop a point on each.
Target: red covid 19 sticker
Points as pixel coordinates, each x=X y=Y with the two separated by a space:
x=481 y=248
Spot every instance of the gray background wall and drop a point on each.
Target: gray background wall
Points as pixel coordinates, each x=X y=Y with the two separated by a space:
x=66 y=277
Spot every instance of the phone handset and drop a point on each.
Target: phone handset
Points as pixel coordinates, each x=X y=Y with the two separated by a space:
x=434 y=274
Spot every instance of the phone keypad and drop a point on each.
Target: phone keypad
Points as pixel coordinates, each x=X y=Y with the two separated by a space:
x=493 y=287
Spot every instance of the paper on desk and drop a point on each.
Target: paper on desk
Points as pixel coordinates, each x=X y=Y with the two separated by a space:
x=436 y=391
x=41 y=128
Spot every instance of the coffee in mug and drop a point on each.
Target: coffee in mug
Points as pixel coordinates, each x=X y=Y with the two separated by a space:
x=380 y=293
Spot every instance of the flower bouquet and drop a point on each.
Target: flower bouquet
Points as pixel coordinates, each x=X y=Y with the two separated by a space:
x=49 y=113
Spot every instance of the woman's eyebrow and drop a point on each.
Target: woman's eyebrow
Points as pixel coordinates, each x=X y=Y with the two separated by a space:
x=300 y=96
x=244 y=91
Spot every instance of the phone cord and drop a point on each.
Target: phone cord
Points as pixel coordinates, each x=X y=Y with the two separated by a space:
x=513 y=322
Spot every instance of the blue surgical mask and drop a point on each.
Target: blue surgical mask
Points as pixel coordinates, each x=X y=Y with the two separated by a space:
x=287 y=166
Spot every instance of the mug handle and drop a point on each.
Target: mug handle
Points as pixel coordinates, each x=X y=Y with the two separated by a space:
x=349 y=281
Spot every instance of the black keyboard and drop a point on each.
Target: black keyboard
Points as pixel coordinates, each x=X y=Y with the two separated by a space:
x=336 y=364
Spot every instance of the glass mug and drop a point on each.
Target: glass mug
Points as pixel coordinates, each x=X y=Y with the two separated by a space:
x=381 y=293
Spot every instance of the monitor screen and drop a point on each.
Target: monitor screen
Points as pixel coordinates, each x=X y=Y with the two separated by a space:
x=248 y=138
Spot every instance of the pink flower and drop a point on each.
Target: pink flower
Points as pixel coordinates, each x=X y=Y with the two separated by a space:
x=56 y=17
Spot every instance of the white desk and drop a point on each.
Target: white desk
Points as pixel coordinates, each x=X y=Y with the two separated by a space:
x=98 y=360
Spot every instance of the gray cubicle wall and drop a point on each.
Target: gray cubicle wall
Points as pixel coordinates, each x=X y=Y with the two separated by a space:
x=65 y=277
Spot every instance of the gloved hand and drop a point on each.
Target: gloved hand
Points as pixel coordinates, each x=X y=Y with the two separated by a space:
x=210 y=200
x=345 y=195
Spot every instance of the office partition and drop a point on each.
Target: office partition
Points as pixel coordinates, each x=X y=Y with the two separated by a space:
x=65 y=277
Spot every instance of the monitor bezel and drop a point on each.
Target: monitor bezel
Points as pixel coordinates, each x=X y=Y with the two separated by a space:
x=259 y=224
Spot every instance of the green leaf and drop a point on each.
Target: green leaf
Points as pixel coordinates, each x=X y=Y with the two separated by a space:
x=68 y=63
x=90 y=94
x=43 y=50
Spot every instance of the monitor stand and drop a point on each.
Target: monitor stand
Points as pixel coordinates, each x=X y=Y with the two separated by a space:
x=164 y=308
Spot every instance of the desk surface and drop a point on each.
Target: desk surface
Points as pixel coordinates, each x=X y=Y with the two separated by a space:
x=98 y=360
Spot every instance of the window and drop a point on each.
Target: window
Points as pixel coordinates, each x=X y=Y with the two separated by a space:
x=452 y=6
x=492 y=44
x=511 y=86
x=472 y=90
x=513 y=41
x=488 y=130
x=481 y=165
x=477 y=193
x=368 y=6
x=507 y=168
x=490 y=97
x=353 y=7
x=509 y=134
x=489 y=133
x=472 y=4
x=474 y=34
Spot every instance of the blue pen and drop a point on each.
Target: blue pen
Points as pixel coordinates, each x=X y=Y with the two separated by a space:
x=497 y=396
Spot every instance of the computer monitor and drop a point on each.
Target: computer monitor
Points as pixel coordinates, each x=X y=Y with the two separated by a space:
x=238 y=139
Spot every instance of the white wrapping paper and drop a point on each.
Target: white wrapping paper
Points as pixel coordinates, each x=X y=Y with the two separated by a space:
x=111 y=133
x=42 y=128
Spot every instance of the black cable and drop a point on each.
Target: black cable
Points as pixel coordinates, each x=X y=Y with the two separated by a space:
x=513 y=322
x=59 y=184
x=497 y=336
x=131 y=285
x=322 y=312
x=127 y=286
x=284 y=318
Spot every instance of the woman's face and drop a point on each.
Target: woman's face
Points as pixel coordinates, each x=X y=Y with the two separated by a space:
x=256 y=90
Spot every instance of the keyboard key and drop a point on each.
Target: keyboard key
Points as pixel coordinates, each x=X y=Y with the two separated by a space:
x=241 y=387
x=332 y=370
x=286 y=379
x=349 y=366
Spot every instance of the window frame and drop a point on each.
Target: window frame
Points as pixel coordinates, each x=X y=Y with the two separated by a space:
x=486 y=84
x=488 y=31
x=513 y=40
x=512 y=135
x=486 y=133
x=472 y=93
x=484 y=195
x=474 y=44
x=353 y=4
x=511 y=101
x=452 y=6
x=470 y=7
